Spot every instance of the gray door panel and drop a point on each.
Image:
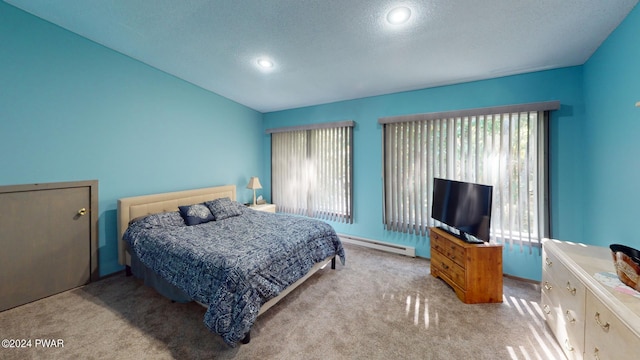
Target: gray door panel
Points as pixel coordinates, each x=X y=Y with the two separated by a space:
x=45 y=245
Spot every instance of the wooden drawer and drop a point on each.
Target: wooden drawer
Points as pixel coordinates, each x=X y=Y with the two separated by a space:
x=569 y=312
x=449 y=268
x=473 y=270
x=611 y=319
x=563 y=303
x=606 y=337
x=562 y=286
x=568 y=334
x=448 y=248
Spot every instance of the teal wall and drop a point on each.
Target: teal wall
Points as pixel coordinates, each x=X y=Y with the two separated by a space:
x=71 y=110
x=612 y=138
x=565 y=140
x=594 y=145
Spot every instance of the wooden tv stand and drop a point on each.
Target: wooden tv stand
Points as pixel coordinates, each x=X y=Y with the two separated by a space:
x=474 y=271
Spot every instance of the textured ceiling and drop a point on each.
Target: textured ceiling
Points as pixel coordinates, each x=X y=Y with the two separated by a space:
x=331 y=50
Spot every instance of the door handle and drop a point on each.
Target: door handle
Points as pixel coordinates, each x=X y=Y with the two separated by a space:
x=82 y=212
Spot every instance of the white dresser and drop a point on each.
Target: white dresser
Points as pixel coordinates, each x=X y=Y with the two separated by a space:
x=589 y=319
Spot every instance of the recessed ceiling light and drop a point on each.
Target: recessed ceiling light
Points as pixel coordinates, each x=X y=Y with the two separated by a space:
x=265 y=63
x=399 y=15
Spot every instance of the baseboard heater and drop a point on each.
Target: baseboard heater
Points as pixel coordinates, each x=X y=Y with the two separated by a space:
x=379 y=245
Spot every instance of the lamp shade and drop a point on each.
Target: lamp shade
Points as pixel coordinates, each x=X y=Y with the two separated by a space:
x=254 y=183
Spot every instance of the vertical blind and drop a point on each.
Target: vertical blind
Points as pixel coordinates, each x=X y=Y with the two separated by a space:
x=504 y=149
x=311 y=171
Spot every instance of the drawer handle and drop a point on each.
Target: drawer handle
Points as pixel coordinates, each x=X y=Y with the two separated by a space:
x=567 y=345
x=548 y=262
x=596 y=354
x=547 y=285
x=445 y=266
x=570 y=289
x=571 y=319
x=547 y=309
x=605 y=327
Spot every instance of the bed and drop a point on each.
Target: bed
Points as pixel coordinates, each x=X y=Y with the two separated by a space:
x=238 y=264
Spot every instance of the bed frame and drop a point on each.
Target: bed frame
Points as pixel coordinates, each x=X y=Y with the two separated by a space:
x=133 y=207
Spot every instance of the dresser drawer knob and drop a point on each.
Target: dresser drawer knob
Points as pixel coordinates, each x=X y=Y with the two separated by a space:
x=567 y=345
x=596 y=354
x=548 y=262
x=571 y=290
x=605 y=326
x=547 y=309
x=569 y=317
x=547 y=285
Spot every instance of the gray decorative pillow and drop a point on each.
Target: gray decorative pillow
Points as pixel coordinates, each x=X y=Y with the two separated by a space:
x=196 y=214
x=166 y=219
x=223 y=208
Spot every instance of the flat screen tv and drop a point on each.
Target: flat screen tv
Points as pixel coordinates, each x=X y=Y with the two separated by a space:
x=463 y=206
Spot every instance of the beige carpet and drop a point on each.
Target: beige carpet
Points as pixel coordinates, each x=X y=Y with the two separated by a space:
x=378 y=306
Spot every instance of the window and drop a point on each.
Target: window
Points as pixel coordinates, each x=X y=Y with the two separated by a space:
x=311 y=170
x=504 y=147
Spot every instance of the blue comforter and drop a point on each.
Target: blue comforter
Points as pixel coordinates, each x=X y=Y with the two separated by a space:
x=233 y=265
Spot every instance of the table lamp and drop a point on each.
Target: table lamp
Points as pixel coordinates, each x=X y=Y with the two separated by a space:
x=254 y=183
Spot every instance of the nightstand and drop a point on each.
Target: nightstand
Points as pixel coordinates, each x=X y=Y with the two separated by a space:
x=264 y=207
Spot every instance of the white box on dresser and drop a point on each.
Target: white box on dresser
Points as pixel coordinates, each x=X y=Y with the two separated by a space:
x=589 y=319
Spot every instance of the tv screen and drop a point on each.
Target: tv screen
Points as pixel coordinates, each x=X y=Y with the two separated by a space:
x=464 y=206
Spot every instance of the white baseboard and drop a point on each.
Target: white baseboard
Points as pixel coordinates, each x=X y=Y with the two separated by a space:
x=379 y=245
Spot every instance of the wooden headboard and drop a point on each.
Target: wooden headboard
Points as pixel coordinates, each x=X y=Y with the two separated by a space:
x=134 y=207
